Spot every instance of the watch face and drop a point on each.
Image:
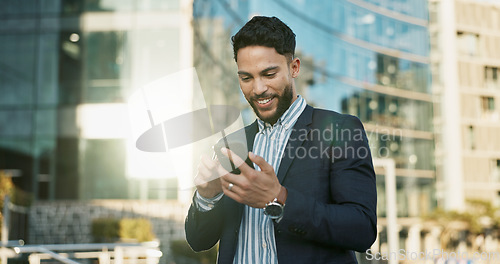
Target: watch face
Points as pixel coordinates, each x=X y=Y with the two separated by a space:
x=274 y=210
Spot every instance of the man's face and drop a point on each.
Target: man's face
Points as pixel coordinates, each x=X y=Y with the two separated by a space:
x=266 y=80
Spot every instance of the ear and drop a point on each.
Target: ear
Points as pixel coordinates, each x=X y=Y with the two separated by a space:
x=295 y=67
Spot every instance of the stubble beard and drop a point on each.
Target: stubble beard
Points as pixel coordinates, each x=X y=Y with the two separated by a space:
x=284 y=102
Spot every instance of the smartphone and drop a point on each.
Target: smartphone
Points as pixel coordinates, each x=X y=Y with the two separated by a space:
x=237 y=147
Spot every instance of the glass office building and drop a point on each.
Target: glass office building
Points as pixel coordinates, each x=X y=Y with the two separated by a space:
x=365 y=58
x=68 y=66
x=62 y=61
x=66 y=70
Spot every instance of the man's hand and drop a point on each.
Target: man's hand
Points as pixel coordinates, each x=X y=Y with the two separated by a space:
x=251 y=187
x=207 y=181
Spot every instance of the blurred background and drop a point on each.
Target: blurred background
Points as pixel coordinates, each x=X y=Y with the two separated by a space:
x=423 y=77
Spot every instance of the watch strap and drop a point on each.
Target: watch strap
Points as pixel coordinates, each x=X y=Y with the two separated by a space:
x=281 y=199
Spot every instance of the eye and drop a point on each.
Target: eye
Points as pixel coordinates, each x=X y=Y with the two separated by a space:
x=270 y=75
x=244 y=78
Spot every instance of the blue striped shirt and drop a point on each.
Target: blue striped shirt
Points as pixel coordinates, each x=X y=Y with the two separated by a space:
x=256 y=242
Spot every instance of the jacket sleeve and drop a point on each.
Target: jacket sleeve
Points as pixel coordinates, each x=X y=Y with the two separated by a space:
x=204 y=229
x=348 y=219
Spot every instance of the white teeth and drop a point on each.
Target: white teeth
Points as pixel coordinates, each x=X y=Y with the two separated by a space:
x=264 y=101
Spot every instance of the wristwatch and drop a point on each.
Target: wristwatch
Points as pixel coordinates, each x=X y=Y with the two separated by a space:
x=274 y=209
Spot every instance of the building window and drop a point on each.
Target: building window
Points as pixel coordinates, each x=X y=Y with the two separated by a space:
x=468 y=43
x=488 y=111
x=436 y=73
x=487 y=104
x=387 y=70
x=491 y=77
x=434 y=12
x=495 y=170
x=471 y=138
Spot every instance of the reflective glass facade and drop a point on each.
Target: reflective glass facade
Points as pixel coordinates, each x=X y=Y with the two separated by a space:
x=365 y=58
x=58 y=56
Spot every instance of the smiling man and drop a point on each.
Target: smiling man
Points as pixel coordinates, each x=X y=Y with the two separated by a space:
x=299 y=197
x=266 y=80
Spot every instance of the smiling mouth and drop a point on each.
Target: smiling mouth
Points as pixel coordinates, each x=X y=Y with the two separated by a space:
x=264 y=101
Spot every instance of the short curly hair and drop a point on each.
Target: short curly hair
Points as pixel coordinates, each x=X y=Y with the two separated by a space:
x=265 y=31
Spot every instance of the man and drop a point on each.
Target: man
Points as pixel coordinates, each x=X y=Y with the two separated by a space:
x=306 y=193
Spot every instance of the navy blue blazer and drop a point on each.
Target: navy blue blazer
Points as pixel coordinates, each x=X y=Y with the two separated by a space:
x=330 y=210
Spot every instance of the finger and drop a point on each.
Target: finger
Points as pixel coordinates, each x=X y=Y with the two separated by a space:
x=235 y=179
x=231 y=193
x=203 y=170
x=238 y=162
x=206 y=172
x=225 y=184
x=208 y=162
x=221 y=171
x=203 y=177
x=261 y=162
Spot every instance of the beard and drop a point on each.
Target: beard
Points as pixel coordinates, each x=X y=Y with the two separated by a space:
x=284 y=102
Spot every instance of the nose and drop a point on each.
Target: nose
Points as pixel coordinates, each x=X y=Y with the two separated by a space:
x=259 y=86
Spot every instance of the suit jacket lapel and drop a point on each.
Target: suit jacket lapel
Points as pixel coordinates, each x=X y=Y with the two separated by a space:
x=300 y=129
x=250 y=132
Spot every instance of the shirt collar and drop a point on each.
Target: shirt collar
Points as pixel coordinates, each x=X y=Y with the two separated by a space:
x=289 y=116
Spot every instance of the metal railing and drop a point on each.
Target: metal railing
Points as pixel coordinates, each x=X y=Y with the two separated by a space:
x=105 y=253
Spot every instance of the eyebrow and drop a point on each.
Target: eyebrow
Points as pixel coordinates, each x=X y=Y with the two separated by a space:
x=261 y=72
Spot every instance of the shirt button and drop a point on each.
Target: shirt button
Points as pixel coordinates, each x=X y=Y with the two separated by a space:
x=273 y=137
x=264 y=245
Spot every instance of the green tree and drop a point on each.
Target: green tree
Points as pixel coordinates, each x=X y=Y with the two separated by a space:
x=479 y=217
